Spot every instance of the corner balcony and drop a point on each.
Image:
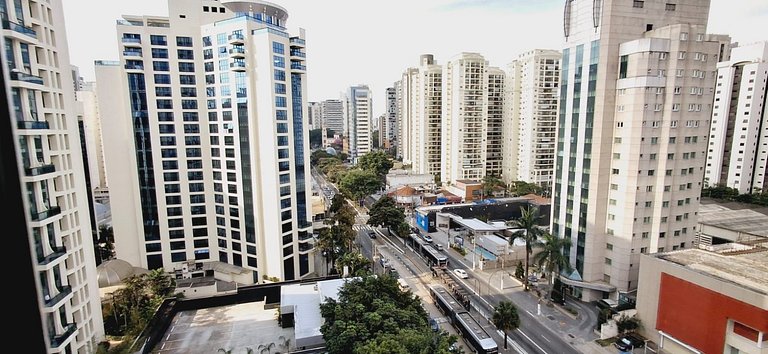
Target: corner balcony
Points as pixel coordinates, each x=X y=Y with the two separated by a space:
x=65 y=291
x=22 y=77
x=45 y=259
x=39 y=170
x=134 y=67
x=32 y=124
x=236 y=39
x=59 y=339
x=20 y=29
x=237 y=52
x=297 y=42
x=131 y=42
x=295 y=66
x=297 y=54
x=51 y=212
x=238 y=65
x=305 y=247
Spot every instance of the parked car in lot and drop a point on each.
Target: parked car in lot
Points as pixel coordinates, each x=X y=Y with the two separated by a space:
x=623 y=345
x=628 y=342
x=461 y=273
x=434 y=325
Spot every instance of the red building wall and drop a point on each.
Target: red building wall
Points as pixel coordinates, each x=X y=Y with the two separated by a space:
x=699 y=316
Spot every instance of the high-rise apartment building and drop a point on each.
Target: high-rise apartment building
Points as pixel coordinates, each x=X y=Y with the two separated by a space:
x=472 y=117
x=738 y=136
x=314 y=117
x=390 y=119
x=404 y=111
x=631 y=137
x=359 y=117
x=423 y=92
x=332 y=113
x=531 y=117
x=44 y=182
x=209 y=148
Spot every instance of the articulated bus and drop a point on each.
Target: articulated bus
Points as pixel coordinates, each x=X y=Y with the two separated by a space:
x=477 y=338
x=434 y=257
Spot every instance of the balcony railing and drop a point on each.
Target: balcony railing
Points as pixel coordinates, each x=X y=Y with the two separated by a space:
x=237 y=50
x=52 y=211
x=57 y=340
x=297 y=40
x=39 y=170
x=235 y=38
x=24 y=77
x=31 y=124
x=298 y=53
x=13 y=26
x=134 y=67
x=132 y=54
x=131 y=40
x=304 y=247
x=297 y=66
x=65 y=290
x=57 y=253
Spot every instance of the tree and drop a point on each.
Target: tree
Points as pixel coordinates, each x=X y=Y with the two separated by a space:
x=266 y=347
x=372 y=315
x=335 y=241
x=551 y=258
x=519 y=270
x=336 y=203
x=627 y=324
x=385 y=213
x=528 y=223
x=518 y=188
x=357 y=264
x=505 y=318
x=359 y=183
x=375 y=139
x=491 y=184
x=344 y=216
x=376 y=161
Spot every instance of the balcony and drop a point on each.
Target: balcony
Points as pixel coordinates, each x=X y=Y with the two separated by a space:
x=237 y=52
x=52 y=211
x=134 y=66
x=13 y=26
x=297 y=53
x=236 y=38
x=63 y=292
x=237 y=66
x=57 y=253
x=31 y=124
x=39 y=170
x=132 y=42
x=28 y=78
x=130 y=53
x=58 y=340
x=305 y=247
x=298 y=67
x=297 y=42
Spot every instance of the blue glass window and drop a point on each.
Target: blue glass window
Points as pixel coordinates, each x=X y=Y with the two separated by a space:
x=162 y=79
x=282 y=141
x=186 y=67
x=183 y=41
x=282 y=128
x=189 y=104
x=160 y=66
x=187 y=79
x=281 y=114
x=164 y=104
x=190 y=116
x=158 y=40
x=280 y=101
x=161 y=53
x=191 y=140
x=188 y=92
x=185 y=54
x=165 y=116
x=163 y=91
x=207 y=41
x=279 y=75
x=278 y=48
x=280 y=88
x=279 y=61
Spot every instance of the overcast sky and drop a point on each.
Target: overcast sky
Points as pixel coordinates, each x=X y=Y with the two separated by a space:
x=353 y=42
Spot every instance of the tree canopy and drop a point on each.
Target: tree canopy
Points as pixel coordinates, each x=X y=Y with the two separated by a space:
x=359 y=183
x=505 y=318
x=377 y=161
x=385 y=213
x=372 y=315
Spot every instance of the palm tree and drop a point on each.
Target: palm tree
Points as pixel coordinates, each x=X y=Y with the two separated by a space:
x=505 y=318
x=528 y=223
x=266 y=347
x=551 y=258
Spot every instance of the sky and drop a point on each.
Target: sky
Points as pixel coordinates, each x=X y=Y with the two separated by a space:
x=351 y=42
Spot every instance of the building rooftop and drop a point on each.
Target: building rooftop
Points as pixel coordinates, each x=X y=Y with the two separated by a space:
x=749 y=270
x=739 y=217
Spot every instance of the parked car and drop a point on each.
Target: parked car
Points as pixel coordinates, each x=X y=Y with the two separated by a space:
x=635 y=339
x=461 y=273
x=372 y=234
x=433 y=324
x=623 y=344
x=533 y=278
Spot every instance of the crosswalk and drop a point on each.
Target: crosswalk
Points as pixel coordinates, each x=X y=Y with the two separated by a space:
x=362 y=228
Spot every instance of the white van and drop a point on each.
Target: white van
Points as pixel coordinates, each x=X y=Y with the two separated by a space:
x=403 y=284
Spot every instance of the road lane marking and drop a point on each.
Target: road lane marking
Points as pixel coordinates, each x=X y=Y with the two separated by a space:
x=545 y=338
x=531 y=340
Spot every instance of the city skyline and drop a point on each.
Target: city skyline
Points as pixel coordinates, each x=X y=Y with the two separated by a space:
x=330 y=75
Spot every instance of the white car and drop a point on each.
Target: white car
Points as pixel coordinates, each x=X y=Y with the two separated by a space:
x=461 y=273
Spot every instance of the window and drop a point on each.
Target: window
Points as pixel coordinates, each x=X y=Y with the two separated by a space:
x=683 y=36
x=670 y=7
x=638 y=4
x=158 y=40
x=183 y=41
x=608 y=261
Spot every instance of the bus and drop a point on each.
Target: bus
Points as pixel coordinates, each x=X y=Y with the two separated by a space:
x=475 y=335
x=434 y=257
x=445 y=302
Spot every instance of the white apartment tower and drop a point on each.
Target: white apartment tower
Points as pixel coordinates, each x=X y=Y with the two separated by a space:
x=44 y=182
x=359 y=117
x=390 y=119
x=531 y=122
x=315 y=119
x=404 y=102
x=631 y=137
x=472 y=117
x=425 y=96
x=210 y=140
x=738 y=137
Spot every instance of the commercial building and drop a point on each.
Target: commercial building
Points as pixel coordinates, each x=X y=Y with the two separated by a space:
x=697 y=301
x=405 y=113
x=631 y=137
x=390 y=119
x=209 y=148
x=530 y=124
x=738 y=140
x=315 y=117
x=44 y=184
x=332 y=115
